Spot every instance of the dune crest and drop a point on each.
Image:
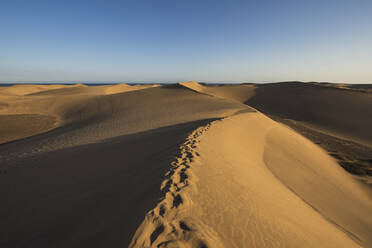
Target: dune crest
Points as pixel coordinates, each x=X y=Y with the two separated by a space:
x=26 y=89
x=162 y=226
x=221 y=192
x=65 y=104
x=120 y=88
x=236 y=93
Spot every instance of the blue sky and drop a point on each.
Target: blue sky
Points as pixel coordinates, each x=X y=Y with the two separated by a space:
x=202 y=40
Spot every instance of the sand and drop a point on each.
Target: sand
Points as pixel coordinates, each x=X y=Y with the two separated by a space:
x=264 y=188
x=30 y=124
x=238 y=93
x=344 y=113
x=337 y=117
x=185 y=165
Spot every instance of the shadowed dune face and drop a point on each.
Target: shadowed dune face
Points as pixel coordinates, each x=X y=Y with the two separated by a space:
x=346 y=113
x=86 y=196
x=14 y=127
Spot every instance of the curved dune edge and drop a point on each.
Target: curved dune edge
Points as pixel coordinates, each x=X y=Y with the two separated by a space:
x=236 y=93
x=27 y=89
x=162 y=227
x=120 y=88
x=28 y=110
x=227 y=189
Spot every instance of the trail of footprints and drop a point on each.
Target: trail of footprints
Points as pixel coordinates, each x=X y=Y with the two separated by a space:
x=163 y=223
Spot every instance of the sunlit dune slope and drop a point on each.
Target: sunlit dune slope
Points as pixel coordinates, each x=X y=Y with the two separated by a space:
x=93 y=90
x=25 y=89
x=64 y=104
x=238 y=93
x=343 y=112
x=87 y=118
x=247 y=181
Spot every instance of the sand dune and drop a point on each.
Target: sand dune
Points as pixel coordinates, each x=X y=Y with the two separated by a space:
x=25 y=89
x=338 y=109
x=334 y=116
x=86 y=196
x=84 y=119
x=90 y=181
x=239 y=93
x=92 y=90
x=13 y=127
x=119 y=88
x=65 y=104
x=342 y=112
x=86 y=164
x=247 y=181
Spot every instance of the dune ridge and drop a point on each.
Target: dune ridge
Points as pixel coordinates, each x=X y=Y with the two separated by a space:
x=87 y=119
x=27 y=89
x=333 y=116
x=65 y=104
x=241 y=182
x=162 y=227
x=88 y=182
x=237 y=93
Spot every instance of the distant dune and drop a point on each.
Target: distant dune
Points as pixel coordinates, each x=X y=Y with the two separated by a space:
x=185 y=165
x=65 y=104
x=239 y=93
x=342 y=112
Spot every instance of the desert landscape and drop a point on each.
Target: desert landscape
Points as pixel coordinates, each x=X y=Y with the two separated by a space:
x=190 y=164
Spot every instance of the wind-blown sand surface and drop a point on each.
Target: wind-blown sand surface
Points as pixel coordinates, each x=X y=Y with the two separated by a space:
x=336 y=117
x=345 y=113
x=61 y=104
x=206 y=169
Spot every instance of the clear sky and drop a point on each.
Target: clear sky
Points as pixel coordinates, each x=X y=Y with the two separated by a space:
x=172 y=40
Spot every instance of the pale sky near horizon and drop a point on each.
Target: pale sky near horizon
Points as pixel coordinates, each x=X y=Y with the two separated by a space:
x=174 y=40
